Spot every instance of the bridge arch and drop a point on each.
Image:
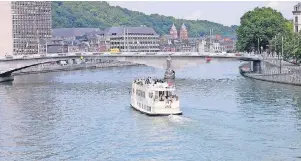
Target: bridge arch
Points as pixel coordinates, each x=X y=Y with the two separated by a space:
x=179 y=61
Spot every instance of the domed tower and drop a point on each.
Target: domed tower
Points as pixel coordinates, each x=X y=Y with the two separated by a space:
x=173 y=31
x=183 y=32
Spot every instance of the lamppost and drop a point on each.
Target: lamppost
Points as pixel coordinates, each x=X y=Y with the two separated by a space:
x=261 y=50
x=258 y=47
x=281 y=51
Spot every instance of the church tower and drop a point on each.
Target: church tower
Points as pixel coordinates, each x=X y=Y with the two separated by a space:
x=297 y=17
x=173 y=31
x=183 y=32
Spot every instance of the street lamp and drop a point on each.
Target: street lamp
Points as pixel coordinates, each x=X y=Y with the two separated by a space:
x=258 y=47
x=261 y=49
x=279 y=57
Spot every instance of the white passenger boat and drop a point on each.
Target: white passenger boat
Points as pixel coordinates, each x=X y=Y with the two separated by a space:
x=155 y=97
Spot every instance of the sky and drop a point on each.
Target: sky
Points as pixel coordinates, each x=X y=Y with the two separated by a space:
x=223 y=12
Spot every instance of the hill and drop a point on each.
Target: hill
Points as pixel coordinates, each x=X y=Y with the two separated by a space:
x=101 y=15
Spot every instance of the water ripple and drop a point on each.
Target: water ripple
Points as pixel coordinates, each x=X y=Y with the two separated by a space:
x=85 y=115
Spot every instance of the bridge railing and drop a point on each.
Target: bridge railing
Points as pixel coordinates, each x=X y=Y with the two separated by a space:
x=74 y=54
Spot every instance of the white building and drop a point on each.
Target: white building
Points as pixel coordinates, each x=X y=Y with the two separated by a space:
x=297 y=17
x=24 y=25
x=132 y=39
x=201 y=46
x=217 y=47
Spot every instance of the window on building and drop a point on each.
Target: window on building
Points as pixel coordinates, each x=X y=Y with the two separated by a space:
x=296 y=28
x=296 y=19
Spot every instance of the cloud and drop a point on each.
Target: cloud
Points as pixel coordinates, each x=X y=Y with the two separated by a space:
x=196 y=15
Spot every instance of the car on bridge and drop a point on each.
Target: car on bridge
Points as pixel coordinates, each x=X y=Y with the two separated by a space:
x=9 y=56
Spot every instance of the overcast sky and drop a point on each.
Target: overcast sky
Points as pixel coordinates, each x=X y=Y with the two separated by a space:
x=226 y=13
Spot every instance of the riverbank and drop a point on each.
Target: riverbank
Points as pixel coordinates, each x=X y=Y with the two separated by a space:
x=56 y=68
x=274 y=71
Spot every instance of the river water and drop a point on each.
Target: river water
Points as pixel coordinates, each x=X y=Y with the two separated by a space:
x=85 y=115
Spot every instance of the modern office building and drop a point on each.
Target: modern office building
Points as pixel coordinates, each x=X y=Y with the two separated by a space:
x=133 y=39
x=26 y=27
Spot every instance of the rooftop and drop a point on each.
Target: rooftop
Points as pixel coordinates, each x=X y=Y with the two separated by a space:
x=131 y=30
x=158 y=83
x=173 y=27
x=183 y=27
x=72 y=32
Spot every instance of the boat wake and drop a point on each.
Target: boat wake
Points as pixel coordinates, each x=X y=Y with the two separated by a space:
x=178 y=119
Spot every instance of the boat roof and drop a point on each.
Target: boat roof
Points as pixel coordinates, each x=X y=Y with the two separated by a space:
x=156 y=84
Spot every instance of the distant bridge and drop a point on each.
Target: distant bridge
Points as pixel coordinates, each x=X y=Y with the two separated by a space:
x=10 y=64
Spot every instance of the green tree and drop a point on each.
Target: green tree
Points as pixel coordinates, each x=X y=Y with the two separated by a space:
x=291 y=42
x=102 y=15
x=261 y=23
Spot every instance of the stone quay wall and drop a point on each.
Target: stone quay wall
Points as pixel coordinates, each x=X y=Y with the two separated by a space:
x=272 y=71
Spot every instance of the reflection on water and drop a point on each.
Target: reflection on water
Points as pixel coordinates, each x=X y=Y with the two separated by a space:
x=85 y=115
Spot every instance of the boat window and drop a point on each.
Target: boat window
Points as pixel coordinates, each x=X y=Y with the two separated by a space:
x=140 y=93
x=168 y=93
x=156 y=95
x=161 y=93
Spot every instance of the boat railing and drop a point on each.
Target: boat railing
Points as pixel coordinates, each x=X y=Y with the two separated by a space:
x=162 y=89
x=171 y=98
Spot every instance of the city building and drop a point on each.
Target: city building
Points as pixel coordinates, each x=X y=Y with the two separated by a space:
x=26 y=27
x=173 y=31
x=133 y=39
x=297 y=17
x=72 y=33
x=167 y=43
x=177 y=42
x=183 y=32
x=201 y=46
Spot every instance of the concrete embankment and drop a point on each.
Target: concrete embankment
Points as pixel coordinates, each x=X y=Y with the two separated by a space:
x=55 y=68
x=270 y=71
x=292 y=78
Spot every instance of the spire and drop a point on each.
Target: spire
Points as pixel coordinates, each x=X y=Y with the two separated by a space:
x=183 y=32
x=173 y=27
x=173 y=31
x=183 y=27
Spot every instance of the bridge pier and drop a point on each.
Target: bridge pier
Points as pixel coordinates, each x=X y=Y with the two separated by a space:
x=256 y=66
x=169 y=73
x=6 y=78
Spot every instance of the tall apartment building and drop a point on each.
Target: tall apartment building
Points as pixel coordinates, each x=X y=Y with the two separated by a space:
x=26 y=27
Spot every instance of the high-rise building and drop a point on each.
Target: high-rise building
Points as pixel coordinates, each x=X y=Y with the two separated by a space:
x=26 y=27
x=297 y=17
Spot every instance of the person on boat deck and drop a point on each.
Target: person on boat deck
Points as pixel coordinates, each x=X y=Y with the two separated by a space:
x=161 y=96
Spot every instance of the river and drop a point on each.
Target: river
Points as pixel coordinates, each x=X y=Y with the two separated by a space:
x=85 y=115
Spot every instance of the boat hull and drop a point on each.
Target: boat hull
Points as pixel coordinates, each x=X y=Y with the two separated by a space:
x=156 y=114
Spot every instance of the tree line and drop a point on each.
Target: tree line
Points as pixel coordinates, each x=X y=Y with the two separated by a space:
x=266 y=28
x=101 y=15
